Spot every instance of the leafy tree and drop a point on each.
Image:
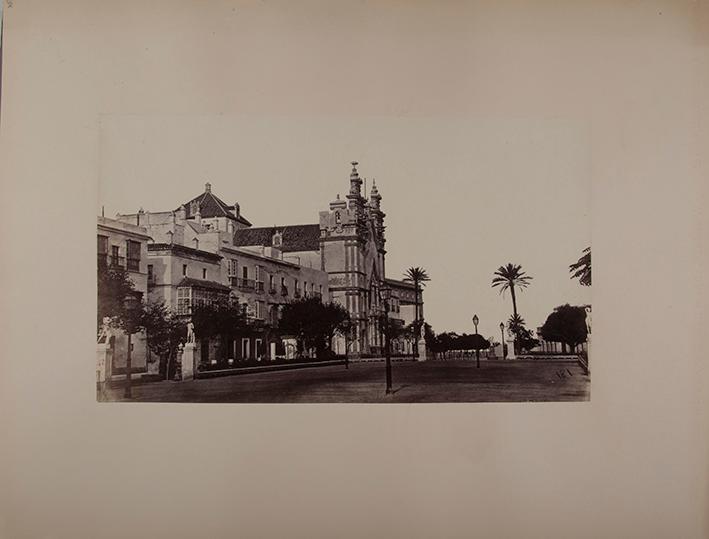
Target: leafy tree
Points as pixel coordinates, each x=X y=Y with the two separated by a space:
x=510 y=277
x=581 y=269
x=314 y=323
x=446 y=342
x=114 y=286
x=419 y=278
x=221 y=319
x=567 y=325
x=165 y=331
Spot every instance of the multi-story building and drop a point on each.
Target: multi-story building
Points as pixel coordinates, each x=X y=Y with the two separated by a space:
x=403 y=314
x=124 y=246
x=206 y=249
x=193 y=260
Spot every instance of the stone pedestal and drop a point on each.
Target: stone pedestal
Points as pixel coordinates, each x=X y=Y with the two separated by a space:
x=422 y=349
x=273 y=351
x=511 y=349
x=188 y=367
x=104 y=362
x=291 y=346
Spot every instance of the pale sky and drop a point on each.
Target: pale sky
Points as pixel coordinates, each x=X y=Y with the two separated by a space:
x=462 y=197
x=484 y=127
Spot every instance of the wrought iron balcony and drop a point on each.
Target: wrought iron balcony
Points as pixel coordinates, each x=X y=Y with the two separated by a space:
x=284 y=290
x=259 y=286
x=117 y=262
x=134 y=264
x=243 y=284
x=272 y=290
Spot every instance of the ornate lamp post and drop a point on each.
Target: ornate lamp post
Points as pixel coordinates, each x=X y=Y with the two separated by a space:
x=130 y=304
x=477 y=350
x=347 y=330
x=502 y=338
x=385 y=295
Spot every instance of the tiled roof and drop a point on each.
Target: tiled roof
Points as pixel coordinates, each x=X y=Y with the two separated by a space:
x=295 y=237
x=184 y=250
x=210 y=205
x=197 y=283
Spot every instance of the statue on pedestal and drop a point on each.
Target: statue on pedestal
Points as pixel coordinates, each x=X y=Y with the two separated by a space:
x=588 y=319
x=105 y=332
x=190 y=332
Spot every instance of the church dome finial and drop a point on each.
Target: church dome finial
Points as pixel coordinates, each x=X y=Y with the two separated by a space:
x=355 y=181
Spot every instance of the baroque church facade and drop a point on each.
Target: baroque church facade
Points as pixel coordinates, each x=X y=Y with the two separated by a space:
x=348 y=244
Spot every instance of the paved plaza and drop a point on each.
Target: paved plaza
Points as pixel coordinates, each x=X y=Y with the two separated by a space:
x=430 y=381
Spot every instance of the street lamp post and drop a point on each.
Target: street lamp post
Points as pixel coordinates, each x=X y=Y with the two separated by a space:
x=130 y=304
x=502 y=338
x=385 y=296
x=347 y=329
x=477 y=350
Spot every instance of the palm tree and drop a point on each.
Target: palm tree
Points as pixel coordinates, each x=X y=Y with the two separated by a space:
x=581 y=270
x=515 y=323
x=509 y=277
x=419 y=278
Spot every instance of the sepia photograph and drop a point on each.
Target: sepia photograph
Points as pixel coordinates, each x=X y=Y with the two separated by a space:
x=323 y=269
x=452 y=267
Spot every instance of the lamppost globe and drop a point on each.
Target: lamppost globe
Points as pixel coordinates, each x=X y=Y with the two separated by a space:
x=502 y=326
x=475 y=322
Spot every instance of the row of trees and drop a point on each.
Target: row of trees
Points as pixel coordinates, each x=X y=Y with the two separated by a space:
x=566 y=324
x=311 y=322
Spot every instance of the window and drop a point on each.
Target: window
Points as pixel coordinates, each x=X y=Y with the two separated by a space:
x=257 y=273
x=184 y=300
x=260 y=309
x=283 y=281
x=232 y=270
x=102 y=244
x=184 y=270
x=151 y=275
x=204 y=273
x=102 y=250
x=116 y=259
x=245 y=272
x=133 y=255
x=270 y=282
